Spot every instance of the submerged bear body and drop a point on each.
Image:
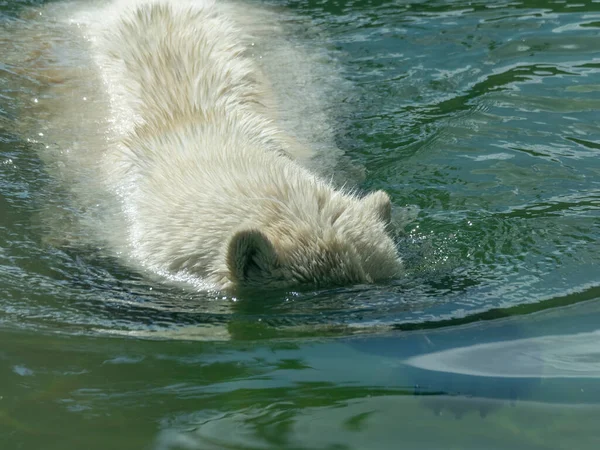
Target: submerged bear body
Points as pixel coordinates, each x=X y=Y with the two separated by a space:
x=209 y=186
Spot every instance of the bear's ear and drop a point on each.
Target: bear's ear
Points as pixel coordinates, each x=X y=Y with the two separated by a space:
x=250 y=256
x=379 y=202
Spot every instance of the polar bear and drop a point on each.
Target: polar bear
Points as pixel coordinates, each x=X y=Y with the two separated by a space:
x=210 y=187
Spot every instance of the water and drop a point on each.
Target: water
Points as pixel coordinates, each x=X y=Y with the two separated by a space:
x=480 y=119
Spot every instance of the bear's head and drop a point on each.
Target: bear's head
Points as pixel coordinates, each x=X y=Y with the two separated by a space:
x=343 y=240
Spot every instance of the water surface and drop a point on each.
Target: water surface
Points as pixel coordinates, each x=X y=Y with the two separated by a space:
x=481 y=121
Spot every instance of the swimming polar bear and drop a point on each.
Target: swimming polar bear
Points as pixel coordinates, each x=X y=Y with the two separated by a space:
x=209 y=185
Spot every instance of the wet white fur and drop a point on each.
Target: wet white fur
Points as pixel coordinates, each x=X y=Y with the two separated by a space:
x=211 y=186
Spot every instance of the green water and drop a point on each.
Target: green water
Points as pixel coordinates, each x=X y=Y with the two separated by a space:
x=482 y=120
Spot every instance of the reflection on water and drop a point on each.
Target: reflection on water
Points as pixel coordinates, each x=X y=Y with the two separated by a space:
x=561 y=356
x=344 y=426
x=300 y=394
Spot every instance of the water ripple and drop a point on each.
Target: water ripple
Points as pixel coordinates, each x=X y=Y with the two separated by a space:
x=478 y=117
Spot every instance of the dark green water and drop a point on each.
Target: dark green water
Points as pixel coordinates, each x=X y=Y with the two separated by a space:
x=482 y=118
